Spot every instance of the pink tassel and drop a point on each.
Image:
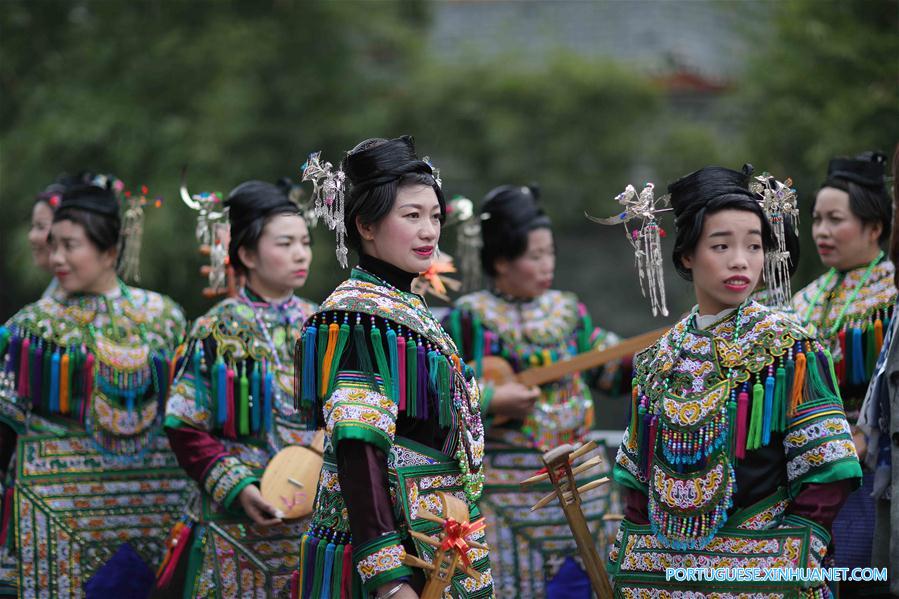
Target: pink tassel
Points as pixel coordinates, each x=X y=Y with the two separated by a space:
x=169 y=571
x=7 y=512
x=742 y=417
x=295 y=585
x=346 y=585
x=24 y=374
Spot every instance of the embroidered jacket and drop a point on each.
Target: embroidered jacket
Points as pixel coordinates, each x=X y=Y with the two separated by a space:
x=83 y=383
x=552 y=327
x=401 y=418
x=730 y=427
x=231 y=410
x=850 y=312
x=97 y=362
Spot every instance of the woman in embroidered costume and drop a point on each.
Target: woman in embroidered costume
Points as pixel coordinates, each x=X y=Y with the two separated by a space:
x=529 y=324
x=850 y=307
x=85 y=376
x=738 y=452
x=231 y=408
x=400 y=410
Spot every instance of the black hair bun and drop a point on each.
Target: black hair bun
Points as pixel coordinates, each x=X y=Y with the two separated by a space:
x=257 y=199
x=92 y=198
x=377 y=161
x=512 y=207
x=697 y=188
x=865 y=169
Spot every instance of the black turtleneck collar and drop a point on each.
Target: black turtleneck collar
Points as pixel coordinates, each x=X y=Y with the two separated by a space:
x=393 y=275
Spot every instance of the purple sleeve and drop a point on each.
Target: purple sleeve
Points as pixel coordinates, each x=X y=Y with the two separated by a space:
x=820 y=502
x=196 y=450
x=362 y=471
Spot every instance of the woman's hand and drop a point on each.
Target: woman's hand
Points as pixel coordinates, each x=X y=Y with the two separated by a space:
x=258 y=509
x=513 y=400
x=405 y=591
x=860 y=442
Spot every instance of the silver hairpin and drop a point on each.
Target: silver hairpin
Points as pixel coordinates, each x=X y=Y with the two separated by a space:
x=328 y=198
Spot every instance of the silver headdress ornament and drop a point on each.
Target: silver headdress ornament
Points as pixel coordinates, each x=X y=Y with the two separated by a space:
x=328 y=198
x=460 y=213
x=645 y=239
x=778 y=201
x=435 y=172
x=133 y=231
x=213 y=231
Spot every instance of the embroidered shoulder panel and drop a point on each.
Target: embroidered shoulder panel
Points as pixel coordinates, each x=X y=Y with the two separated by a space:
x=235 y=327
x=877 y=296
x=63 y=320
x=406 y=309
x=549 y=319
x=704 y=356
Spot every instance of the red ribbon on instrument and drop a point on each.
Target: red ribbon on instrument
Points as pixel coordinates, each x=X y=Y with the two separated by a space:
x=456 y=533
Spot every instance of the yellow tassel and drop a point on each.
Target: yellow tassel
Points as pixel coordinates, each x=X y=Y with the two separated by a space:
x=333 y=330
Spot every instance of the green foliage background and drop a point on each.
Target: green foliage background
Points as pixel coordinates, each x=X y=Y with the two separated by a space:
x=246 y=89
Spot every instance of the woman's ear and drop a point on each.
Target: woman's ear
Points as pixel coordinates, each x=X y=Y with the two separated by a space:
x=502 y=266
x=875 y=229
x=247 y=257
x=110 y=257
x=687 y=261
x=366 y=231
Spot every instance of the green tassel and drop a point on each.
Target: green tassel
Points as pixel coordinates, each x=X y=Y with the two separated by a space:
x=754 y=436
x=194 y=562
x=361 y=345
x=455 y=328
x=585 y=332
x=444 y=391
x=319 y=567
x=243 y=422
x=779 y=420
x=411 y=378
x=378 y=346
x=342 y=336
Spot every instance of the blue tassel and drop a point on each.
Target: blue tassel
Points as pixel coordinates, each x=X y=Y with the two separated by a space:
x=394 y=366
x=255 y=398
x=326 y=575
x=422 y=393
x=221 y=392
x=162 y=380
x=54 y=383
x=13 y=355
x=267 y=400
x=309 y=375
x=769 y=401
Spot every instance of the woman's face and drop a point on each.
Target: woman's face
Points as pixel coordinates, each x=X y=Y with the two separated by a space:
x=727 y=261
x=531 y=274
x=407 y=236
x=41 y=219
x=843 y=241
x=280 y=262
x=79 y=266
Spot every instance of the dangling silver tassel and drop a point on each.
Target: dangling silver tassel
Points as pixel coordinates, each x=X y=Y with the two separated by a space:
x=213 y=232
x=646 y=241
x=133 y=233
x=778 y=201
x=460 y=213
x=328 y=199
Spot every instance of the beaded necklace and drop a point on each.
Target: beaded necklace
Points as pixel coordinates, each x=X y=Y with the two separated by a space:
x=836 y=325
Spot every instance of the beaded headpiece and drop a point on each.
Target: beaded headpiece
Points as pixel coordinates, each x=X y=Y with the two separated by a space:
x=779 y=203
x=645 y=239
x=212 y=231
x=133 y=230
x=328 y=194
